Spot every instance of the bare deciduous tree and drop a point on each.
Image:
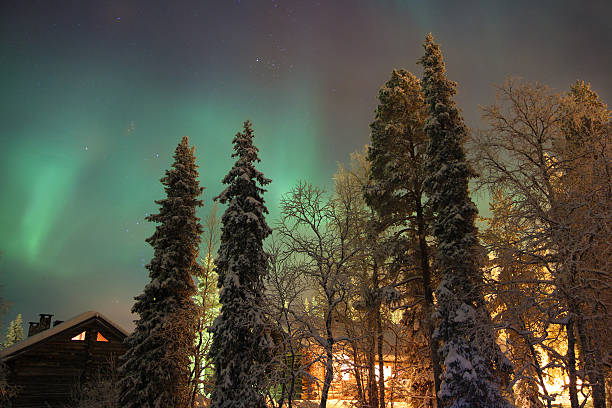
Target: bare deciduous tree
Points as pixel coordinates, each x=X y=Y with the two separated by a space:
x=318 y=230
x=550 y=155
x=207 y=302
x=285 y=294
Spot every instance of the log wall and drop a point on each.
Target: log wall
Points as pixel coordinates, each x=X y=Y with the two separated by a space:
x=49 y=373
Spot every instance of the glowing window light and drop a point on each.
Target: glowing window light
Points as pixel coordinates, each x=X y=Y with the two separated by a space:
x=79 y=337
x=386 y=372
x=100 y=337
x=345 y=369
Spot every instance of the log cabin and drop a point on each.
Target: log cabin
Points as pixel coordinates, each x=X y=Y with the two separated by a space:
x=404 y=380
x=50 y=365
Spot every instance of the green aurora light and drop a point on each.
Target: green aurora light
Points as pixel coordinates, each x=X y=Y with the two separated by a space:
x=96 y=96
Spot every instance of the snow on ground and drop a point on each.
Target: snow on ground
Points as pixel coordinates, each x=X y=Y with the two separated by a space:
x=331 y=403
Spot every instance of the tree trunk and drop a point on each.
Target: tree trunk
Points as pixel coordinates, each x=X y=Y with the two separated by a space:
x=292 y=385
x=358 y=380
x=395 y=370
x=571 y=363
x=372 y=387
x=592 y=368
x=601 y=380
x=536 y=365
x=429 y=303
x=196 y=372
x=329 y=374
x=281 y=401
x=329 y=351
x=381 y=372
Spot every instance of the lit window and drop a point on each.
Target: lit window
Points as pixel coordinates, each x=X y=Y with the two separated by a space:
x=386 y=372
x=79 y=337
x=100 y=337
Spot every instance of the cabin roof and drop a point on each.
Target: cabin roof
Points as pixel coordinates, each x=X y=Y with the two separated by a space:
x=45 y=334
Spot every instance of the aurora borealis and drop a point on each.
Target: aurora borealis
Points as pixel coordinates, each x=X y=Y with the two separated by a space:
x=96 y=95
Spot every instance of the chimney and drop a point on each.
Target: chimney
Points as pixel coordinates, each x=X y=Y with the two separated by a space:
x=33 y=329
x=45 y=322
x=42 y=325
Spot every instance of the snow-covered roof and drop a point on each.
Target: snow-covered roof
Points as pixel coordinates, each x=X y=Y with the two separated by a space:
x=83 y=317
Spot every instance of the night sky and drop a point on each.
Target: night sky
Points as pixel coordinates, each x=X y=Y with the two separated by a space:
x=95 y=95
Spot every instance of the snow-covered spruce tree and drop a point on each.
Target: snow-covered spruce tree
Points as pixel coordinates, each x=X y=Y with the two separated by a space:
x=241 y=348
x=396 y=180
x=14 y=333
x=155 y=370
x=470 y=357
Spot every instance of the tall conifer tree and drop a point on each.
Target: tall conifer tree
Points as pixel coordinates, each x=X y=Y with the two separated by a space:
x=469 y=353
x=396 y=177
x=155 y=371
x=240 y=346
x=14 y=333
